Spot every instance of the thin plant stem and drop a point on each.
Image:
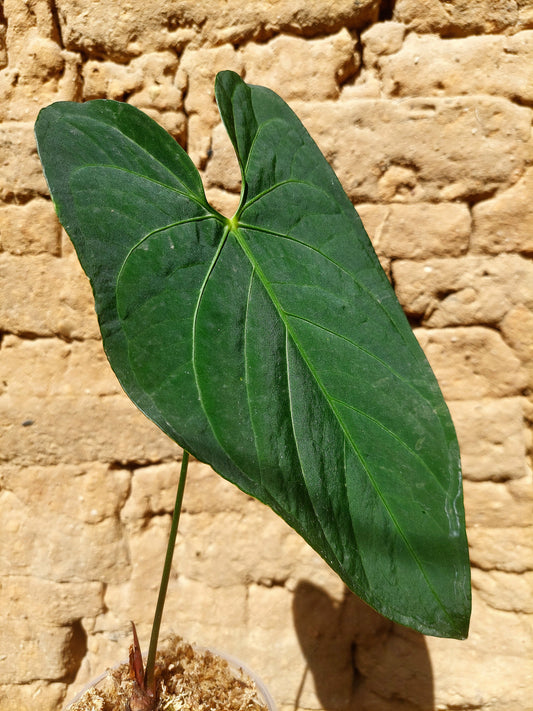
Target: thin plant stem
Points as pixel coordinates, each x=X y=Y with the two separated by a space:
x=149 y=677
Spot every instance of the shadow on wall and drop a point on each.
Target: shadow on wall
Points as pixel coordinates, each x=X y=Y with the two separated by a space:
x=359 y=661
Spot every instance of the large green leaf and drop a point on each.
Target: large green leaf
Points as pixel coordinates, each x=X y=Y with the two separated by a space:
x=270 y=345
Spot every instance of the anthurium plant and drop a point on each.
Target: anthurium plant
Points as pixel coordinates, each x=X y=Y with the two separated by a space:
x=270 y=344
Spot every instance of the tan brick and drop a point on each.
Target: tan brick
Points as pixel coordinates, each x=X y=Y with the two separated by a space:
x=507 y=549
x=30 y=229
x=517 y=330
x=76 y=429
x=147 y=550
x=373 y=218
x=20 y=169
x=37 y=68
x=152 y=492
x=21 y=697
x=505 y=591
x=69 y=83
x=38 y=489
x=226 y=203
x=469 y=290
x=505 y=223
x=160 y=94
x=21 y=101
x=472 y=363
x=420 y=230
x=48 y=367
x=223 y=496
x=420 y=149
x=299 y=68
x=120 y=32
x=23 y=20
x=210 y=556
x=64 y=523
x=65 y=602
x=46 y=296
x=227 y=607
x=525 y=13
x=103 y=652
x=268 y=550
x=492 y=438
x=41 y=61
x=367 y=85
x=498 y=505
x=110 y=80
x=429 y=66
x=74 y=551
x=61 y=402
x=382 y=38
x=461 y=16
x=163 y=85
x=334 y=636
x=30 y=652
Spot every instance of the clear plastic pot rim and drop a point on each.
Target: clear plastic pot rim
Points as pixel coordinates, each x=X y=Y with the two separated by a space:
x=232 y=661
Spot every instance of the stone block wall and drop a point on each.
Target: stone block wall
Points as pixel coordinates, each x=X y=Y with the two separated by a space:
x=424 y=109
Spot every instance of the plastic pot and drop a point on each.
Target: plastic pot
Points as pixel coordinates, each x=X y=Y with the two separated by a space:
x=235 y=665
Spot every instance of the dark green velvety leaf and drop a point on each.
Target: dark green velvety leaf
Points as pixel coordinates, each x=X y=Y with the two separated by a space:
x=270 y=345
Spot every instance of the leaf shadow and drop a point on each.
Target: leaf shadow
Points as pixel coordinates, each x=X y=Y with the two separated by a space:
x=358 y=660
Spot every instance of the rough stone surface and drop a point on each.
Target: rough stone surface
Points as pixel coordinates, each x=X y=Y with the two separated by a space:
x=472 y=363
x=517 y=330
x=69 y=601
x=68 y=369
x=492 y=437
x=463 y=17
x=509 y=550
x=51 y=430
x=418 y=230
x=505 y=591
x=23 y=697
x=45 y=296
x=37 y=68
x=123 y=32
x=497 y=505
x=427 y=66
x=21 y=176
x=299 y=68
x=459 y=292
x=30 y=229
x=424 y=108
x=383 y=38
x=29 y=653
x=82 y=542
x=505 y=223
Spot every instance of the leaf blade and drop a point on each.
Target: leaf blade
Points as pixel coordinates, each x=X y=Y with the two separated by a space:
x=272 y=345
